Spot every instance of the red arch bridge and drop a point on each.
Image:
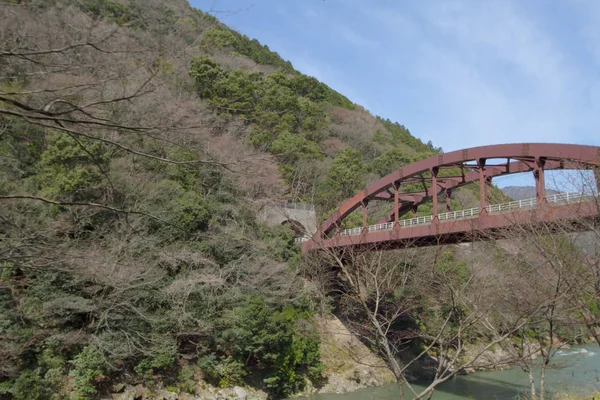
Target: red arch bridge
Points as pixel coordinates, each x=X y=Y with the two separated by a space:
x=438 y=176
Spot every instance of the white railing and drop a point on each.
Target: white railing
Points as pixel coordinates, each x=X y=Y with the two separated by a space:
x=296 y=206
x=470 y=212
x=513 y=205
x=558 y=198
x=381 y=227
x=569 y=197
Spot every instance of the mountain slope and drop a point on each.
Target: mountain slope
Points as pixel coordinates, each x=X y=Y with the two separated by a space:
x=523 y=192
x=139 y=139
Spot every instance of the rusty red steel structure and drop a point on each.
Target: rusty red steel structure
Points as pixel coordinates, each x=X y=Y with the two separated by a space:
x=474 y=165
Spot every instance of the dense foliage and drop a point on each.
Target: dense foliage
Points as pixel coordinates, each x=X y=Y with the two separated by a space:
x=273 y=338
x=129 y=243
x=101 y=292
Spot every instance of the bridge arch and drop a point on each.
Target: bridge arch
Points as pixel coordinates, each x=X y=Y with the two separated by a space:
x=478 y=164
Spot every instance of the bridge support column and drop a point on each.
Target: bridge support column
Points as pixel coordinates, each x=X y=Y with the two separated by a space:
x=364 y=215
x=540 y=183
x=434 y=192
x=396 y=205
x=482 y=195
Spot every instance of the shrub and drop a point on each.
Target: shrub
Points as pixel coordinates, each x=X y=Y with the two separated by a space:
x=89 y=368
x=185 y=380
x=224 y=372
x=219 y=37
x=163 y=357
x=70 y=167
x=271 y=339
x=30 y=386
x=344 y=178
x=390 y=161
x=111 y=10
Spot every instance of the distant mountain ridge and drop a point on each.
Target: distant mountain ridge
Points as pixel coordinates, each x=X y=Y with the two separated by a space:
x=523 y=192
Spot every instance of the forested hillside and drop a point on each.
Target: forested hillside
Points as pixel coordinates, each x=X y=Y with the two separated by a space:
x=138 y=140
x=523 y=192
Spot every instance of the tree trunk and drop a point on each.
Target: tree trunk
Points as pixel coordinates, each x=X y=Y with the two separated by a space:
x=532 y=385
x=543 y=380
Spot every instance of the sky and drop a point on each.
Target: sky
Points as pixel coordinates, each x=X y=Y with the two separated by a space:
x=461 y=73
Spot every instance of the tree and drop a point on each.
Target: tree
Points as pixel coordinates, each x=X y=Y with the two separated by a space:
x=274 y=339
x=345 y=176
x=412 y=306
x=390 y=161
x=551 y=268
x=123 y=233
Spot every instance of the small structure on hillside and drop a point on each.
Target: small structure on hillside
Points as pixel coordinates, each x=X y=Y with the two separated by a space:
x=300 y=217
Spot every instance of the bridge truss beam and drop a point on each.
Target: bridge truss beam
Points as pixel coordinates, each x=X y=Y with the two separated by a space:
x=441 y=174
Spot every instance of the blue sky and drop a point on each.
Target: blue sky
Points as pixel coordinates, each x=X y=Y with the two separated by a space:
x=460 y=73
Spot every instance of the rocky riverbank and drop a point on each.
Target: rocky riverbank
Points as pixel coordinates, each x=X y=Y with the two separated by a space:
x=203 y=392
x=350 y=366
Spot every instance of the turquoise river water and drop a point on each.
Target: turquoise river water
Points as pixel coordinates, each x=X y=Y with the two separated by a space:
x=575 y=369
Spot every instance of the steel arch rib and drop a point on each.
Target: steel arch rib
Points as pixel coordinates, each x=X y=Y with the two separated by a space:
x=559 y=156
x=493 y=172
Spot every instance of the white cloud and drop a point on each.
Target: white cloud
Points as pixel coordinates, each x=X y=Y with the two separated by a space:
x=355 y=38
x=493 y=75
x=500 y=33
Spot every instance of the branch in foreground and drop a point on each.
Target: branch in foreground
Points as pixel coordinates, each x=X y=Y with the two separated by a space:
x=85 y=204
x=60 y=127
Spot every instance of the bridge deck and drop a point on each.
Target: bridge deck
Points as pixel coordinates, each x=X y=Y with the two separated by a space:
x=457 y=226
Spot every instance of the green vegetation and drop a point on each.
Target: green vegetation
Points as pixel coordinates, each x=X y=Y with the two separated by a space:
x=402 y=135
x=285 y=120
x=111 y=10
x=89 y=367
x=221 y=36
x=130 y=249
x=144 y=268
x=344 y=178
x=129 y=315
x=131 y=178
x=274 y=338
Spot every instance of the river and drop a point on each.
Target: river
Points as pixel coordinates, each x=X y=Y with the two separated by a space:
x=576 y=369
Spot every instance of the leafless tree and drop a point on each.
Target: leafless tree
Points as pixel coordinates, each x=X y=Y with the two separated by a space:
x=65 y=72
x=383 y=292
x=552 y=268
x=97 y=82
